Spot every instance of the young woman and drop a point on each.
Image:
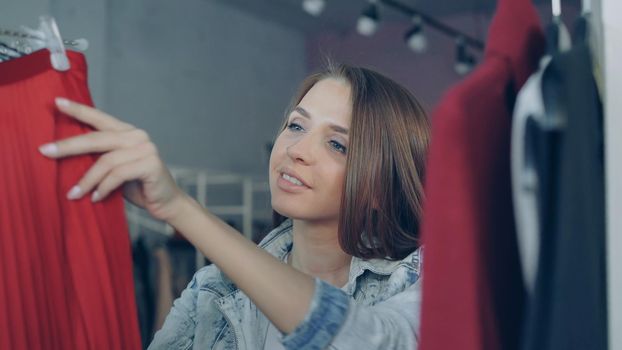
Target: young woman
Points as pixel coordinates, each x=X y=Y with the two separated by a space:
x=343 y=268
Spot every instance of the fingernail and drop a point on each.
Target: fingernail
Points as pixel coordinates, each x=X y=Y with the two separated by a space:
x=74 y=193
x=49 y=149
x=95 y=197
x=62 y=102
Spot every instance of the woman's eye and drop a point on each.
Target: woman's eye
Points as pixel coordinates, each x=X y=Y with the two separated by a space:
x=294 y=127
x=338 y=147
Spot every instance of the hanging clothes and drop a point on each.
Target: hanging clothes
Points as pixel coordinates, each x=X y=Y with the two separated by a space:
x=144 y=287
x=473 y=292
x=65 y=266
x=534 y=158
x=529 y=110
x=568 y=309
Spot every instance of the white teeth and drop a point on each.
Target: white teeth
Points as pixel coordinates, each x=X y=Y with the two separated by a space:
x=291 y=179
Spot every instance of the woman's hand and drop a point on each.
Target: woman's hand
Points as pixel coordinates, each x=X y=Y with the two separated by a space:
x=129 y=159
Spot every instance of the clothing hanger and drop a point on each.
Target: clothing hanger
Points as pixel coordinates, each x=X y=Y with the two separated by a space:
x=558 y=37
x=7 y=52
x=46 y=36
x=558 y=41
x=582 y=26
x=586 y=7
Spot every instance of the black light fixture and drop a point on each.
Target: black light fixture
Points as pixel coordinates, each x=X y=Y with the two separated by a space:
x=367 y=23
x=464 y=60
x=415 y=38
x=313 y=7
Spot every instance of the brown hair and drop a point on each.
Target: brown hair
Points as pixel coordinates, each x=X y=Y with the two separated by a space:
x=381 y=206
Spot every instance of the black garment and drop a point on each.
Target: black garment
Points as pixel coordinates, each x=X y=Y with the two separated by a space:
x=143 y=281
x=568 y=310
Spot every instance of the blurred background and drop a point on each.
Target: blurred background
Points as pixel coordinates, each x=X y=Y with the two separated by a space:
x=209 y=80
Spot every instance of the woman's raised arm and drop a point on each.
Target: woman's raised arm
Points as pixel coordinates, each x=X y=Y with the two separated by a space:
x=131 y=160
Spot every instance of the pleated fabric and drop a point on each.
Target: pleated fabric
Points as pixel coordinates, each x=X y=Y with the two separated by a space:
x=65 y=266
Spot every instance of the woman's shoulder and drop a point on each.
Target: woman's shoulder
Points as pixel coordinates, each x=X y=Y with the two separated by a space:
x=211 y=279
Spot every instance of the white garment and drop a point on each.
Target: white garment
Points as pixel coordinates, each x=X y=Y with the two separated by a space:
x=529 y=104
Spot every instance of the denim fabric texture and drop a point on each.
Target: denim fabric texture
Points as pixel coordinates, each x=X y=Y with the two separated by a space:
x=378 y=308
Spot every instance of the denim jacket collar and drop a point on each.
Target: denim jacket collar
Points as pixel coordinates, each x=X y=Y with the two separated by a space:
x=279 y=243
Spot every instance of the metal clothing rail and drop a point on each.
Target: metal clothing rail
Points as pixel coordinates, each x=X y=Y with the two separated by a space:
x=200 y=180
x=77 y=44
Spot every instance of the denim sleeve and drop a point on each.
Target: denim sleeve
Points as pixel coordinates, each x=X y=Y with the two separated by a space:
x=178 y=329
x=336 y=321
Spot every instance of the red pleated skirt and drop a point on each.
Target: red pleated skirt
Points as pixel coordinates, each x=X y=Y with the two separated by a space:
x=66 y=277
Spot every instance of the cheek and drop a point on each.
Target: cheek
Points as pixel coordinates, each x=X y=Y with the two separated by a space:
x=277 y=157
x=335 y=176
x=277 y=153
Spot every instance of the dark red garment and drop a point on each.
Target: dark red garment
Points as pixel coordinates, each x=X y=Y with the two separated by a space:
x=472 y=290
x=65 y=266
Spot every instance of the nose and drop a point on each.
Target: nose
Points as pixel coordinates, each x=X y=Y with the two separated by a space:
x=302 y=150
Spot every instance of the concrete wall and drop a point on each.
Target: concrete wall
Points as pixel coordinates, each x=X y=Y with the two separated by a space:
x=208 y=82
x=22 y=12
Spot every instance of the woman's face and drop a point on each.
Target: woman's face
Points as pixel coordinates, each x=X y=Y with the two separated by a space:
x=308 y=160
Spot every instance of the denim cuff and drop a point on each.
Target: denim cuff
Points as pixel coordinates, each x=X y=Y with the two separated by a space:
x=326 y=314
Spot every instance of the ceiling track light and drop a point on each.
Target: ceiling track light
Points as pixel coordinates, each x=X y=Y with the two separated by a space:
x=369 y=20
x=313 y=7
x=415 y=37
x=367 y=23
x=465 y=61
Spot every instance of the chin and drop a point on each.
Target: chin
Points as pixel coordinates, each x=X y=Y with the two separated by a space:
x=302 y=207
x=302 y=212
x=285 y=208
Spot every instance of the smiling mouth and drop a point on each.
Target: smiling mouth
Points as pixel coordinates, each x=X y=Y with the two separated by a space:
x=291 y=180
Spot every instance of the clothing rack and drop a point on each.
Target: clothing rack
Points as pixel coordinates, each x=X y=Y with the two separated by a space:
x=46 y=36
x=80 y=44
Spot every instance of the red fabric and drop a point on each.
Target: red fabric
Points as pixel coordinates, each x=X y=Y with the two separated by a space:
x=472 y=289
x=66 y=277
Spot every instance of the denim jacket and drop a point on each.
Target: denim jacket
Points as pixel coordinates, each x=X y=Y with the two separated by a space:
x=378 y=308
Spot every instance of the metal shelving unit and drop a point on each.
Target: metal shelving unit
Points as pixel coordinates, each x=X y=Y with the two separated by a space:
x=197 y=182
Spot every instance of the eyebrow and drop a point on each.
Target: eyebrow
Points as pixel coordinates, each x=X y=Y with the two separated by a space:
x=337 y=128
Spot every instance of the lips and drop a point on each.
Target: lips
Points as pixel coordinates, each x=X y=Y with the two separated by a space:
x=290 y=177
